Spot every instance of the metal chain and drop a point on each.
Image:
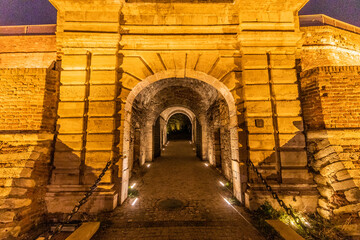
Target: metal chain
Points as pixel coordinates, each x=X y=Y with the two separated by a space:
x=83 y=200
x=288 y=210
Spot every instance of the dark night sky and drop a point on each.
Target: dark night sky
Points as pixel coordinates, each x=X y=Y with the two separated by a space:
x=27 y=12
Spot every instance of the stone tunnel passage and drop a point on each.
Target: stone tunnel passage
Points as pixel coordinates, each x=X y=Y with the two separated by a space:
x=194 y=207
x=205 y=112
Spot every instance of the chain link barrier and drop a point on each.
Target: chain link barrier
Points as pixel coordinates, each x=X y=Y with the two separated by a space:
x=287 y=209
x=83 y=200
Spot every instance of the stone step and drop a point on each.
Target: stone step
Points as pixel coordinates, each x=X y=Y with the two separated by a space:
x=284 y=230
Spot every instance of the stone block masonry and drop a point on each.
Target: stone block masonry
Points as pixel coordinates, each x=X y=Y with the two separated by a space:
x=331 y=106
x=28 y=100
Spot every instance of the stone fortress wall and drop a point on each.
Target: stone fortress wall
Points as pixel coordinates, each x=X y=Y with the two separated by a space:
x=329 y=87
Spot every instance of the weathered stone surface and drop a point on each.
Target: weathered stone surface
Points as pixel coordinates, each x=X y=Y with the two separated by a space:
x=13 y=203
x=336 y=167
x=347 y=174
x=352 y=208
x=347 y=184
x=353 y=195
x=326 y=192
x=104 y=70
x=320 y=180
x=324 y=203
x=7 y=217
x=324 y=213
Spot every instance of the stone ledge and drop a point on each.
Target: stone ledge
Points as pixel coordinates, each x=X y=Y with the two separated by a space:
x=332 y=133
x=326 y=70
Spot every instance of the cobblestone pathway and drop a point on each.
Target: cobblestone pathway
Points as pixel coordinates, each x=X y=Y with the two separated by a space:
x=178 y=175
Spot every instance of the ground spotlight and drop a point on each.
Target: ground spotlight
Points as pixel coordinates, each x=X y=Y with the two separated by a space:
x=132 y=186
x=222 y=184
x=227 y=201
x=206 y=164
x=148 y=165
x=133 y=203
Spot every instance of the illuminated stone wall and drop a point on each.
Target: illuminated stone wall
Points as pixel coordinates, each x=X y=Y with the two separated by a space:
x=28 y=99
x=114 y=58
x=331 y=105
x=329 y=46
x=31 y=51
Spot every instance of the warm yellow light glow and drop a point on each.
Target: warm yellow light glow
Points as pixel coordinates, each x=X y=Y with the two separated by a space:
x=222 y=184
x=227 y=201
x=134 y=202
x=132 y=186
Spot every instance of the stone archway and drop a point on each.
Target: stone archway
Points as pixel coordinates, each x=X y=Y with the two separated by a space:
x=189 y=74
x=169 y=112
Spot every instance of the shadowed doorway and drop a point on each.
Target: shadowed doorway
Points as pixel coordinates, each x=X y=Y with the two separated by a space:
x=179 y=127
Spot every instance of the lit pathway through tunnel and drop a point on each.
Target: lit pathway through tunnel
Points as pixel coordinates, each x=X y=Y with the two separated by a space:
x=179 y=175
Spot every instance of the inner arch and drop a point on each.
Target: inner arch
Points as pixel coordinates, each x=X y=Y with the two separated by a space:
x=213 y=108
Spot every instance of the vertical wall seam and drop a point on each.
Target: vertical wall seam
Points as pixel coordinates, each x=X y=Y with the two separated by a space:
x=85 y=120
x=275 y=120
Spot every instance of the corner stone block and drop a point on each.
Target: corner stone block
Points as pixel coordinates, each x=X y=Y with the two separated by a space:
x=282 y=61
x=101 y=108
x=70 y=125
x=261 y=141
x=67 y=160
x=103 y=62
x=91 y=175
x=65 y=176
x=296 y=176
x=255 y=62
x=288 y=108
x=102 y=92
x=74 y=62
x=268 y=125
x=293 y=158
x=258 y=108
x=286 y=92
x=283 y=76
x=72 y=93
x=97 y=159
x=71 y=109
x=260 y=157
x=100 y=142
x=103 y=76
x=73 y=77
x=68 y=142
x=255 y=76
x=257 y=92
x=295 y=140
x=290 y=124
x=101 y=125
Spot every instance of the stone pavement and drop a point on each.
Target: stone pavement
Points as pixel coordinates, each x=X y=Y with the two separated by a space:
x=177 y=175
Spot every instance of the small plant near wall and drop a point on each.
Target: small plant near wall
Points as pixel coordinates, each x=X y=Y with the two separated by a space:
x=319 y=228
x=229 y=185
x=132 y=193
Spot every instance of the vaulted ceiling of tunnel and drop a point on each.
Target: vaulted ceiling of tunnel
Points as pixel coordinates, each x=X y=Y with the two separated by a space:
x=193 y=94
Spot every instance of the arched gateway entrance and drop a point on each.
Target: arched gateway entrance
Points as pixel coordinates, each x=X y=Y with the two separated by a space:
x=230 y=66
x=206 y=101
